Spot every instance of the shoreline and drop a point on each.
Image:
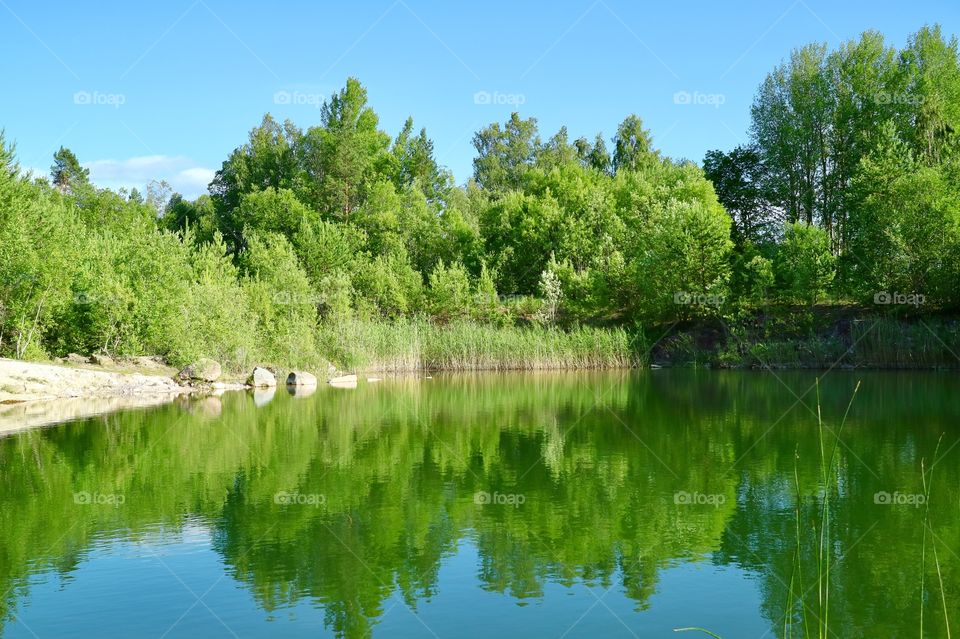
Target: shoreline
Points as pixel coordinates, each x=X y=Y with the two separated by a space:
x=35 y=395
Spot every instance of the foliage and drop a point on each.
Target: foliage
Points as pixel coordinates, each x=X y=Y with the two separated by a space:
x=805 y=265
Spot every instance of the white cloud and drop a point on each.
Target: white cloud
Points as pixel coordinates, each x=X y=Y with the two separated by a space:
x=183 y=174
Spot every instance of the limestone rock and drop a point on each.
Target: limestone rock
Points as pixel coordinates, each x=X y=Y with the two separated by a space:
x=261 y=378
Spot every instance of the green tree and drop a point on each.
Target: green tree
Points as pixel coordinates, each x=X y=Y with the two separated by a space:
x=805 y=266
x=633 y=146
x=66 y=172
x=504 y=153
x=343 y=154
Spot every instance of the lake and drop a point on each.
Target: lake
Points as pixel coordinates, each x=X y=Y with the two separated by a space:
x=616 y=504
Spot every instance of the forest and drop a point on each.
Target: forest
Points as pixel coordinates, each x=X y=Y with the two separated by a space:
x=341 y=242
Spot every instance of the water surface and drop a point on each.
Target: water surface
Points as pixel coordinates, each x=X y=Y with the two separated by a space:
x=619 y=504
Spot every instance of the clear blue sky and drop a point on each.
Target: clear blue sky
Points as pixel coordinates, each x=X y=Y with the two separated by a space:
x=166 y=90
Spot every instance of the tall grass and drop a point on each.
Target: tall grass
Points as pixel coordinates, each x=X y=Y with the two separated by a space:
x=411 y=345
x=896 y=343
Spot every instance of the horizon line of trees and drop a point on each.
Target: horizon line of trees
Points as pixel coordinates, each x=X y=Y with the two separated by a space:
x=848 y=187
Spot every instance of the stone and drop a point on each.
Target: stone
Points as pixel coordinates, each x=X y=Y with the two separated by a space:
x=101 y=360
x=73 y=358
x=261 y=378
x=301 y=378
x=343 y=381
x=203 y=370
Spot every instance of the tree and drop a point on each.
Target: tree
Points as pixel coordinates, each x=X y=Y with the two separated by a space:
x=738 y=181
x=632 y=145
x=504 y=153
x=599 y=157
x=342 y=155
x=66 y=172
x=805 y=264
x=268 y=159
x=415 y=163
x=159 y=196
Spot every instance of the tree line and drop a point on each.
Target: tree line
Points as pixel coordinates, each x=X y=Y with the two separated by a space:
x=846 y=189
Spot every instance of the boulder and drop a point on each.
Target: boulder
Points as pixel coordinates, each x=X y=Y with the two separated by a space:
x=203 y=370
x=343 y=380
x=261 y=378
x=301 y=378
x=73 y=358
x=101 y=360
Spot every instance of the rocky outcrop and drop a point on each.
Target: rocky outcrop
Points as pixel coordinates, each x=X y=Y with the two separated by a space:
x=26 y=381
x=261 y=378
x=203 y=370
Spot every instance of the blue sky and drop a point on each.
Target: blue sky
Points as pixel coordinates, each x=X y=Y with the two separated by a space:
x=167 y=90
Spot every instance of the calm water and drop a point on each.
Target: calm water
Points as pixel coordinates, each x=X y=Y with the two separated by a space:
x=560 y=505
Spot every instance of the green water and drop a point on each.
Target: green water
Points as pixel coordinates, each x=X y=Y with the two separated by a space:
x=540 y=505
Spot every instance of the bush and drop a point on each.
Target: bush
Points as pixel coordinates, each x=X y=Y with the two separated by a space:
x=449 y=295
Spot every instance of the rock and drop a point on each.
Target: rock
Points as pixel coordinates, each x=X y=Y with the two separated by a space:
x=301 y=378
x=101 y=360
x=25 y=381
x=343 y=381
x=261 y=378
x=203 y=370
x=73 y=358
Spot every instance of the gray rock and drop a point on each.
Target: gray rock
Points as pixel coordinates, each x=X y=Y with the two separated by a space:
x=203 y=370
x=301 y=378
x=261 y=378
x=73 y=358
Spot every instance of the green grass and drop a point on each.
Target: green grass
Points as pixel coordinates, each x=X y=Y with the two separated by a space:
x=411 y=345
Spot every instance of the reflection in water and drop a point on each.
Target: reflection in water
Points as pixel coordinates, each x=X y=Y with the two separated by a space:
x=603 y=481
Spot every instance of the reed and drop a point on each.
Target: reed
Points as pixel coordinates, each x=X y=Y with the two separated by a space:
x=411 y=345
